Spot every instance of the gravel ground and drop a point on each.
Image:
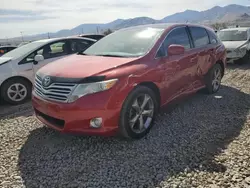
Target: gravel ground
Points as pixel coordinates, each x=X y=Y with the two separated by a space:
x=201 y=142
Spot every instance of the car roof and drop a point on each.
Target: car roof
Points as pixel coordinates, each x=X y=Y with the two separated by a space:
x=62 y=38
x=236 y=28
x=167 y=25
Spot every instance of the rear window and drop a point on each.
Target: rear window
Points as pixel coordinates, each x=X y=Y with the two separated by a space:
x=199 y=36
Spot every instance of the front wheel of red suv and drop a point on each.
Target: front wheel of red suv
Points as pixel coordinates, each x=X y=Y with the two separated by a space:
x=138 y=112
x=213 y=79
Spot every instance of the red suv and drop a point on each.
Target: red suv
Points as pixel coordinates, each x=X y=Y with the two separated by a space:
x=119 y=83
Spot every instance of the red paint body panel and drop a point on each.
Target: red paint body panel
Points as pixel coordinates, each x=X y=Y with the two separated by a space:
x=174 y=76
x=80 y=66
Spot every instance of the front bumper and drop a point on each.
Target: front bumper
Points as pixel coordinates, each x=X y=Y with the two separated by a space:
x=75 y=117
x=234 y=56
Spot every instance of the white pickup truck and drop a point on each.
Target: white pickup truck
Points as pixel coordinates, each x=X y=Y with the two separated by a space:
x=237 y=43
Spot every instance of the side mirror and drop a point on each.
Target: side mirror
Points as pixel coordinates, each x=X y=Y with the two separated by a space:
x=175 y=49
x=39 y=57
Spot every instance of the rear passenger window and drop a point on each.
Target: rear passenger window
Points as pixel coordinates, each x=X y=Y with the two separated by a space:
x=177 y=36
x=199 y=36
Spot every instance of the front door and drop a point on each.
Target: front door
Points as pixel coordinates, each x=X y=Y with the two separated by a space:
x=178 y=70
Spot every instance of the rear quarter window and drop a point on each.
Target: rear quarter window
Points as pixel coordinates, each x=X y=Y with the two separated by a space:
x=213 y=37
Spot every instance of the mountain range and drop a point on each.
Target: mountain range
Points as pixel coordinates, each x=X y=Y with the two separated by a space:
x=231 y=14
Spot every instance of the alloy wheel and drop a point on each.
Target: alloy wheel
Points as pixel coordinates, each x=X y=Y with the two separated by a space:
x=216 y=79
x=141 y=113
x=17 y=92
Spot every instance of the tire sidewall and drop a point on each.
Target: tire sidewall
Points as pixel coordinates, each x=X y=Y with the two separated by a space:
x=124 y=127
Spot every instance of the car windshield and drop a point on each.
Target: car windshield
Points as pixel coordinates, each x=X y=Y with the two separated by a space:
x=132 y=42
x=22 y=50
x=232 y=35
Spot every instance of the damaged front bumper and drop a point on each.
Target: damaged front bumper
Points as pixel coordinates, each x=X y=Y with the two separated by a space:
x=234 y=55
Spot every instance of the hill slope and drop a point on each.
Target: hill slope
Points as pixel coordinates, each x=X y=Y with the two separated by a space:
x=231 y=14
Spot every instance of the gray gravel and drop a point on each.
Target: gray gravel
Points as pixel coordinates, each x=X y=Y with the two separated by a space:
x=201 y=142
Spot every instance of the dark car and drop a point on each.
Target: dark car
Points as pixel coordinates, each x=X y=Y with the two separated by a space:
x=5 y=49
x=119 y=83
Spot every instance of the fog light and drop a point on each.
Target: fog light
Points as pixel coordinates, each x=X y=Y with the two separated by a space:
x=96 y=122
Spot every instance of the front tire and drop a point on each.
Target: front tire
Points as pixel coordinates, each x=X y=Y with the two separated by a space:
x=138 y=113
x=16 y=91
x=213 y=79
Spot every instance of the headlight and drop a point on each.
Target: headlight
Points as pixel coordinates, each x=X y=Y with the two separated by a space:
x=86 y=89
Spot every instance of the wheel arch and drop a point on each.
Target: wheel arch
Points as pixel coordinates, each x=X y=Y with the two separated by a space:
x=15 y=77
x=154 y=88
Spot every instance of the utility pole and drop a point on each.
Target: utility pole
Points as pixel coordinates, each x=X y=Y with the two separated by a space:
x=82 y=30
x=48 y=36
x=7 y=40
x=22 y=35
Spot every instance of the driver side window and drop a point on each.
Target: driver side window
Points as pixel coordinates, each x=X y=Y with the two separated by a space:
x=176 y=36
x=56 y=49
x=49 y=51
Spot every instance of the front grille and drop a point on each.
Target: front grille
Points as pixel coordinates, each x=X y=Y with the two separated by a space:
x=54 y=121
x=55 y=92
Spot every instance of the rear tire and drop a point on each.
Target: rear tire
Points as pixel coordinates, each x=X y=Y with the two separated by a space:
x=16 y=91
x=213 y=79
x=138 y=113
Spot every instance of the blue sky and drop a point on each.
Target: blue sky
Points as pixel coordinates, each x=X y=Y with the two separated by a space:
x=39 y=16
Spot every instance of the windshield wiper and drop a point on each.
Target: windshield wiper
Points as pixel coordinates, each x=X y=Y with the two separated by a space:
x=109 y=55
x=104 y=55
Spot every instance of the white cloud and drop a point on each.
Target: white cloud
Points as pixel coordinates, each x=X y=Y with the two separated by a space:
x=62 y=14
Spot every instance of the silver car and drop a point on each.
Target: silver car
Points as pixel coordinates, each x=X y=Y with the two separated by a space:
x=237 y=43
x=18 y=67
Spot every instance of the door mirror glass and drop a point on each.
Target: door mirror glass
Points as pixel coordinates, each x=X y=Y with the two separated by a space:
x=175 y=49
x=39 y=58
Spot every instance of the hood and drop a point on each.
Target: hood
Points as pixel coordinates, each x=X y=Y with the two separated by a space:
x=4 y=60
x=233 y=44
x=80 y=66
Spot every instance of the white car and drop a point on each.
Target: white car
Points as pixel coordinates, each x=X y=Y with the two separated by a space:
x=237 y=43
x=18 y=67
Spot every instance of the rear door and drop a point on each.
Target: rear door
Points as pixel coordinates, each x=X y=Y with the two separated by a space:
x=204 y=49
x=178 y=70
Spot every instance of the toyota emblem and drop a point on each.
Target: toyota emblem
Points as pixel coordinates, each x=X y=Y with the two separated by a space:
x=46 y=81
